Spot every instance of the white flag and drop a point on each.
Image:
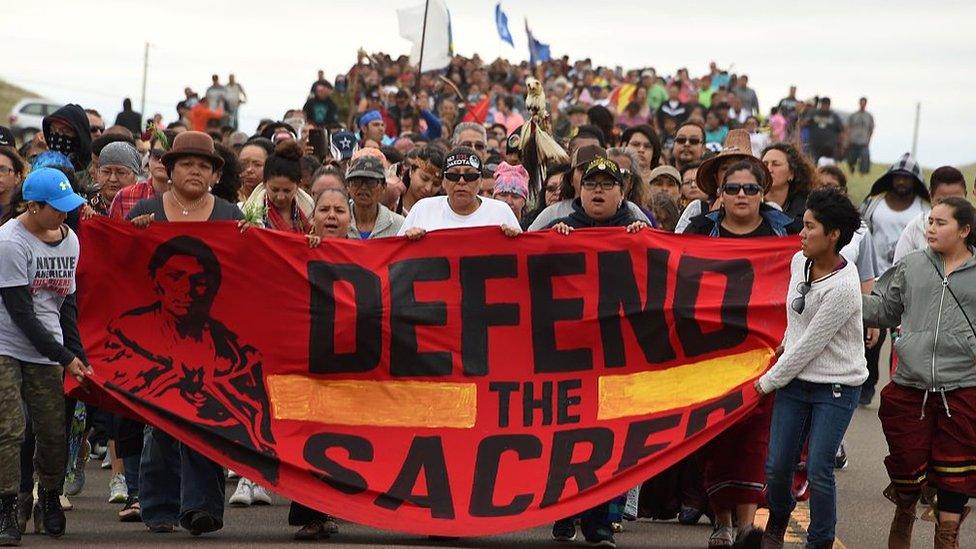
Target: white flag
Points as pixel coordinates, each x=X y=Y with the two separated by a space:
x=437 y=42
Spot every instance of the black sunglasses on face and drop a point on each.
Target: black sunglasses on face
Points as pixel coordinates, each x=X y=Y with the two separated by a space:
x=157 y=153
x=97 y=129
x=592 y=184
x=469 y=177
x=687 y=140
x=732 y=189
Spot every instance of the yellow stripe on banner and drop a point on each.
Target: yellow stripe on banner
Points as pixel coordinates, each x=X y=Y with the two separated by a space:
x=650 y=392
x=376 y=403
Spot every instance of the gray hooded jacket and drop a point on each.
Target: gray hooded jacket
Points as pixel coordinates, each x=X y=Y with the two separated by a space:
x=937 y=348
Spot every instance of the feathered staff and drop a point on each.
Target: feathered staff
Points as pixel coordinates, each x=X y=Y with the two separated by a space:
x=538 y=149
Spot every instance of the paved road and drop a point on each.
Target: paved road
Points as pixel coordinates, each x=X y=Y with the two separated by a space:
x=863 y=517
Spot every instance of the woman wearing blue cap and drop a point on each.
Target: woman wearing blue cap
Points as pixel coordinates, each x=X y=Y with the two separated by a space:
x=38 y=257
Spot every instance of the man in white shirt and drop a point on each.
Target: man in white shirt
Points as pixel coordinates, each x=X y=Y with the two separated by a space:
x=896 y=198
x=462 y=207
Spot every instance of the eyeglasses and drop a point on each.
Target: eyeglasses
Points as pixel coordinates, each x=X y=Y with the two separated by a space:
x=751 y=189
x=5 y=171
x=362 y=182
x=107 y=173
x=476 y=145
x=687 y=141
x=800 y=302
x=97 y=129
x=157 y=153
x=469 y=177
x=592 y=184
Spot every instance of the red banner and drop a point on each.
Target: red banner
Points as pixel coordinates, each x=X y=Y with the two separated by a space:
x=463 y=384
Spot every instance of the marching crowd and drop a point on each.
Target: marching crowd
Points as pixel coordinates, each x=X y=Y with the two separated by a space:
x=380 y=152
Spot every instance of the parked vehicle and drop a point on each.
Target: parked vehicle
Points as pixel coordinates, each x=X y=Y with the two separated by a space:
x=26 y=116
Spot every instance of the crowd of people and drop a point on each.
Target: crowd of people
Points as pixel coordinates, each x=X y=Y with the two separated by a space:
x=382 y=152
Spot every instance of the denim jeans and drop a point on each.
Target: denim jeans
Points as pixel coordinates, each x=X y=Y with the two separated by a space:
x=175 y=481
x=821 y=412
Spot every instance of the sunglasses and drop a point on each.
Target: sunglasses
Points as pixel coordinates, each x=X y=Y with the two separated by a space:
x=476 y=145
x=800 y=302
x=751 y=189
x=687 y=140
x=591 y=185
x=469 y=177
x=97 y=129
x=157 y=153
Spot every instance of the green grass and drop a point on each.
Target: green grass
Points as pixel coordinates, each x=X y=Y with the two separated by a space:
x=859 y=185
x=10 y=95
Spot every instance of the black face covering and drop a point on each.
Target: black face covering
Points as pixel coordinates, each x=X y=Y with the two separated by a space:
x=62 y=143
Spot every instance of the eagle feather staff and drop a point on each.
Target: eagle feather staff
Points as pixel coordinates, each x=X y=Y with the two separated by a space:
x=538 y=148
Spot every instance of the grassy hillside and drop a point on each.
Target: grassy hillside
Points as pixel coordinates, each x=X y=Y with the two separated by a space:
x=9 y=95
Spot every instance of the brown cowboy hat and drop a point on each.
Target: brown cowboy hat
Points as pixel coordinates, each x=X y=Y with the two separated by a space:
x=192 y=144
x=737 y=147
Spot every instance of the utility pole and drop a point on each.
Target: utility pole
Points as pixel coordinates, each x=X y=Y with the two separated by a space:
x=918 y=115
x=145 y=72
x=423 y=44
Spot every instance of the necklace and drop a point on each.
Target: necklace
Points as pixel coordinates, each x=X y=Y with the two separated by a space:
x=193 y=205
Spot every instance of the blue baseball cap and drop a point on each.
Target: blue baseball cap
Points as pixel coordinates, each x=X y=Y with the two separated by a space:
x=51 y=186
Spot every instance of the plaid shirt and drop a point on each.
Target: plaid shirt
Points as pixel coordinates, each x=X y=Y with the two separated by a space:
x=128 y=197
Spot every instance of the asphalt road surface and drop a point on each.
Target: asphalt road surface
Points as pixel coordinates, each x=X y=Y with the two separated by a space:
x=863 y=517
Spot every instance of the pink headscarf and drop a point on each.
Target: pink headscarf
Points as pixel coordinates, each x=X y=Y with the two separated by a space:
x=511 y=179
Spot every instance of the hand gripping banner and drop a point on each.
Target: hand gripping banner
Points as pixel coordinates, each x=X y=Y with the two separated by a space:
x=463 y=384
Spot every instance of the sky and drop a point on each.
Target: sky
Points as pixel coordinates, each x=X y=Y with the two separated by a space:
x=897 y=53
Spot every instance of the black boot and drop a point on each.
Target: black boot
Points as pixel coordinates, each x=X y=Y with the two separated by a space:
x=9 y=531
x=48 y=515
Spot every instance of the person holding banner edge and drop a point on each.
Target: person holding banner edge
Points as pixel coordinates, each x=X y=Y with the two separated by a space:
x=331 y=218
x=33 y=357
x=738 y=485
x=819 y=371
x=168 y=469
x=462 y=207
x=601 y=204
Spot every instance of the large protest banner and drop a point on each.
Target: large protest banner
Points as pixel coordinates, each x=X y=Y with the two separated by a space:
x=463 y=384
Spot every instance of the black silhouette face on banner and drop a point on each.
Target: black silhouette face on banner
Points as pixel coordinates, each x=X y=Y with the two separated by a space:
x=186 y=276
x=174 y=358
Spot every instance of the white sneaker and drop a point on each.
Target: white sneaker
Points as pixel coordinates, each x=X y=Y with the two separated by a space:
x=117 y=491
x=259 y=496
x=107 y=461
x=242 y=496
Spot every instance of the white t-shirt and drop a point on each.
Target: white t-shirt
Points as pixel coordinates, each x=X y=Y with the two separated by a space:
x=888 y=226
x=48 y=270
x=435 y=213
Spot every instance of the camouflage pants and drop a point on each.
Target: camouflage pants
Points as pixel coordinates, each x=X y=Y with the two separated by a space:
x=40 y=388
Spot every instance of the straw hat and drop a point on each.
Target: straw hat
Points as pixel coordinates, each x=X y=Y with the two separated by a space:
x=737 y=147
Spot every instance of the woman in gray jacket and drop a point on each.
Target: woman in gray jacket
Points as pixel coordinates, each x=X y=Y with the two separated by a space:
x=928 y=412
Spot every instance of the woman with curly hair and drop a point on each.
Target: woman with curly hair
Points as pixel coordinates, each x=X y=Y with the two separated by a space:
x=793 y=175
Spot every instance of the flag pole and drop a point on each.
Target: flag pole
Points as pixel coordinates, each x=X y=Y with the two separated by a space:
x=423 y=39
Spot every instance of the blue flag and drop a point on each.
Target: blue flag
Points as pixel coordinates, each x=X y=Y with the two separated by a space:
x=538 y=52
x=501 y=21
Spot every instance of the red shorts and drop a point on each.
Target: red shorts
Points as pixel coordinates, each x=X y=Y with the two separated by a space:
x=937 y=449
x=734 y=462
